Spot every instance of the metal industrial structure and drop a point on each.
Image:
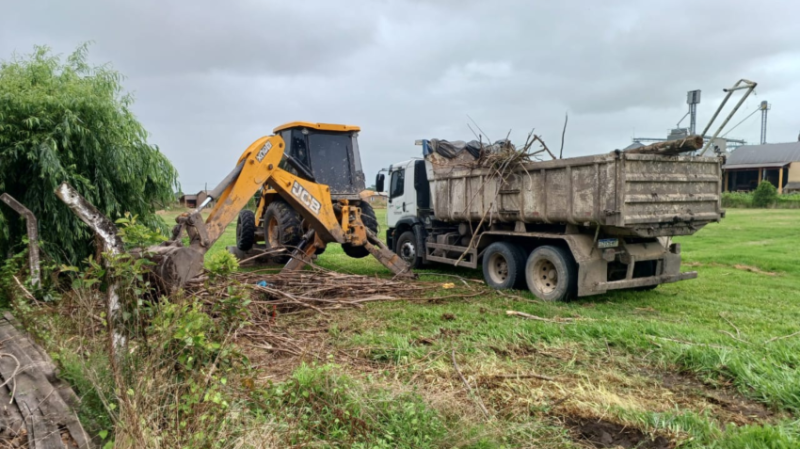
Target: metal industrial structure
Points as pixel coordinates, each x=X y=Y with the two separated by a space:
x=720 y=144
x=693 y=99
x=764 y=107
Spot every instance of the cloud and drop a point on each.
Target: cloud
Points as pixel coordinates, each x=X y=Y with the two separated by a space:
x=211 y=77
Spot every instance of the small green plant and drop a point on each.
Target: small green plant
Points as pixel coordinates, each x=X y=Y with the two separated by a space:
x=765 y=195
x=222 y=263
x=10 y=268
x=327 y=409
x=137 y=235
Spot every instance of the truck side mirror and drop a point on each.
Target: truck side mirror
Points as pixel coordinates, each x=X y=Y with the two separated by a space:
x=379 y=182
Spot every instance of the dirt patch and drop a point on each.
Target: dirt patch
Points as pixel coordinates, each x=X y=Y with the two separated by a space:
x=749 y=268
x=754 y=270
x=730 y=406
x=601 y=434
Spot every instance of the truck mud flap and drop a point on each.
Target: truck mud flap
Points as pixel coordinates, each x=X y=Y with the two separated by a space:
x=647 y=281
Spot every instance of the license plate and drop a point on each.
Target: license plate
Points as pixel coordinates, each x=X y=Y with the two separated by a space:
x=607 y=243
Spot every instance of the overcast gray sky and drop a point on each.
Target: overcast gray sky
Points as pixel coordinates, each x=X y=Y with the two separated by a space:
x=210 y=77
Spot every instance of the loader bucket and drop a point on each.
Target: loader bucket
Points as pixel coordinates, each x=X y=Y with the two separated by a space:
x=175 y=265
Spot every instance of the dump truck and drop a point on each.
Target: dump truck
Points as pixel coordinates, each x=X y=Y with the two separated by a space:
x=563 y=228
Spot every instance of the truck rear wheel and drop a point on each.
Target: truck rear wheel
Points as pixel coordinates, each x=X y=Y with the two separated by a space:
x=551 y=274
x=246 y=230
x=503 y=265
x=407 y=249
x=371 y=222
x=282 y=229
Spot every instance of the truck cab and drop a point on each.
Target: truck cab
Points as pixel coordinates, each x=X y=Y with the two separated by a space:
x=408 y=209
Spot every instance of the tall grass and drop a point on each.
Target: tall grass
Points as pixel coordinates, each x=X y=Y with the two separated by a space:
x=744 y=200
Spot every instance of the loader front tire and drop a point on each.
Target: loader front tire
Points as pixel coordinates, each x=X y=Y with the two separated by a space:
x=371 y=222
x=246 y=230
x=283 y=229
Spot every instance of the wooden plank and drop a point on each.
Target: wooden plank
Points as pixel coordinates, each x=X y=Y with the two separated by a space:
x=69 y=401
x=31 y=390
x=12 y=425
x=40 y=398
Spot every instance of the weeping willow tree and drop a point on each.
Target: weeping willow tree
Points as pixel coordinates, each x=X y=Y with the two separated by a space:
x=64 y=120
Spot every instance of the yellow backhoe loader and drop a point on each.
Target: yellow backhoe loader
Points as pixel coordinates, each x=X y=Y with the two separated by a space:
x=309 y=176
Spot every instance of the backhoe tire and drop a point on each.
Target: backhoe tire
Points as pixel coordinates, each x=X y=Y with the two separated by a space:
x=371 y=222
x=552 y=274
x=246 y=230
x=408 y=250
x=282 y=229
x=503 y=265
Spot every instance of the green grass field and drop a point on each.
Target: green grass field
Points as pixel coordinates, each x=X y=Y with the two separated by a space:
x=711 y=362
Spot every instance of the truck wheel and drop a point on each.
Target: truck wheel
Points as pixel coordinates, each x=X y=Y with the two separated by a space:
x=407 y=249
x=551 y=274
x=371 y=222
x=282 y=229
x=503 y=264
x=246 y=230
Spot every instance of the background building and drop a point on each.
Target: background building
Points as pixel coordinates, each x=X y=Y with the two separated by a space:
x=778 y=163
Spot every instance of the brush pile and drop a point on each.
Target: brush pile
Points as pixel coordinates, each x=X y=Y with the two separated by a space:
x=501 y=156
x=504 y=155
x=317 y=289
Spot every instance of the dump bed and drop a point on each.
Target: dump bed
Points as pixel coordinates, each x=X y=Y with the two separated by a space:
x=632 y=194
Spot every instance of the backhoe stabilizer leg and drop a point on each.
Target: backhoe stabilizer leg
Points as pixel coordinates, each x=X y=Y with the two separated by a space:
x=388 y=258
x=303 y=254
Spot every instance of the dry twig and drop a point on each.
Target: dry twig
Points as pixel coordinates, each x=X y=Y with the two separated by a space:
x=466 y=384
x=524 y=376
x=781 y=338
x=738 y=334
x=528 y=316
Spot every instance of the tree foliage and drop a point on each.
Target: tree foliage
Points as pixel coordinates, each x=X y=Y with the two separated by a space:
x=64 y=120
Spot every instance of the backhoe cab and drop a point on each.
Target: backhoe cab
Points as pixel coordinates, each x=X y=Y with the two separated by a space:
x=309 y=178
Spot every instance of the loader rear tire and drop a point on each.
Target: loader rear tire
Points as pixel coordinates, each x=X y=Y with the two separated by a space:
x=246 y=230
x=371 y=222
x=283 y=229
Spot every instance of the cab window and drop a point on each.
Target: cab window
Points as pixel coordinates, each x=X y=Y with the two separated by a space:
x=397 y=183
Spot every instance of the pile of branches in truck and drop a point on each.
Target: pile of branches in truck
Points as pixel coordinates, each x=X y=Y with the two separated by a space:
x=501 y=155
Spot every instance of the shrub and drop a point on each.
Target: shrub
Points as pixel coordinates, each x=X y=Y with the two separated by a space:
x=765 y=195
x=737 y=199
x=222 y=263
